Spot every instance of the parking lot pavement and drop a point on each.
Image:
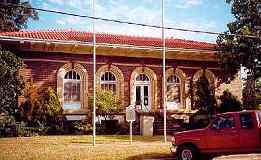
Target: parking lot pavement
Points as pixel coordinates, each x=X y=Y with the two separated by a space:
x=240 y=157
x=229 y=157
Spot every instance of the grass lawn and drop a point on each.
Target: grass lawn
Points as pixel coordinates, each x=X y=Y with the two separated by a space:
x=80 y=147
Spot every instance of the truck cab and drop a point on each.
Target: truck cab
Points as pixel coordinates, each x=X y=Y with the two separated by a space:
x=228 y=133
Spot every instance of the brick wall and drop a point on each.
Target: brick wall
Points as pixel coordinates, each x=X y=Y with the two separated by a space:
x=43 y=68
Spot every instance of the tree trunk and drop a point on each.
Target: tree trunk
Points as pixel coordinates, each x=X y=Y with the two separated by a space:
x=249 y=93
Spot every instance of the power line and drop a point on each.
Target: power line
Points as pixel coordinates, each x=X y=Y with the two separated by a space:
x=127 y=22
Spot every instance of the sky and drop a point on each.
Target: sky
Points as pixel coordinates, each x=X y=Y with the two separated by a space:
x=206 y=15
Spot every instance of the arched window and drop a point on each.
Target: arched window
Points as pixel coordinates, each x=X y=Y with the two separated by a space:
x=142 y=77
x=108 y=82
x=72 y=90
x=173 y=90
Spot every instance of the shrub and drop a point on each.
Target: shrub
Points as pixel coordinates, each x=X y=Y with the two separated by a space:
x=82 y=127
x=204 y=96
x=43 y=112
x=229 y=103
x=31 y=103
x=107 y=103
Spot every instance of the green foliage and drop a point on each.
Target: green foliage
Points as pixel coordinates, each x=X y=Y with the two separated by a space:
x=258 y=93
x=14 y=18
x=12 y=84
x=107 y=103
x=42 y=111
x=6 y=120
x=204 y=96
x=31 y=103
x=237 y=51
x=83 y=127
x=229 y=103
x=49 y=112
x=51 y=103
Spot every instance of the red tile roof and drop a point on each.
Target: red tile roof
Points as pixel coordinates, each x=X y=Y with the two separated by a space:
x=109 y=38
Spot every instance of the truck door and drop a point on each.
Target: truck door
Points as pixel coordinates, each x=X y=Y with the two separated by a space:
x=223 y=134
x=249 y=132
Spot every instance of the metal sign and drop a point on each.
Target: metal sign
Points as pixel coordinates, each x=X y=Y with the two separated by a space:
x=130 y=117
x=130 y=113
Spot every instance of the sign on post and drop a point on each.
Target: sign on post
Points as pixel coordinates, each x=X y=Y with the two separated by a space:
x=130 y=117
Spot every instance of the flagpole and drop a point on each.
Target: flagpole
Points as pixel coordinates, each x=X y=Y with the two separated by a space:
x=164 y=77
x=94 y=74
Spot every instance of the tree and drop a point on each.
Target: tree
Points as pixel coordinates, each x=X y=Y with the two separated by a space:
x=204 y=96
x=258 y=92
x=229 y=103
x=14 y=17
x=241 y=51
x=107 y=103
x=12 y=84
x=30 y=104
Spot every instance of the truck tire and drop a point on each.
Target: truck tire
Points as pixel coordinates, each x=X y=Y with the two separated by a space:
x=187 y=152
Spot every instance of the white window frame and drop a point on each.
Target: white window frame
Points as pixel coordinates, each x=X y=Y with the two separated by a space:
x=108 y=82
x=142 y=84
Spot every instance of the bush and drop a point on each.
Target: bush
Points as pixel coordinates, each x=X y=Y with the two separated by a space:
x=107 y=103
x=7 y=125
x=82 y=127
x=204 y=96
x=229 y=103
x=44 y=113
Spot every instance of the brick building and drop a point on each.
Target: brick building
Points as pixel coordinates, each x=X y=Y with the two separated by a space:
x=130 y=66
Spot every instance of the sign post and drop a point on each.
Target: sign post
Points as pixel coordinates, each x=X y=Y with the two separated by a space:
x=130 y=117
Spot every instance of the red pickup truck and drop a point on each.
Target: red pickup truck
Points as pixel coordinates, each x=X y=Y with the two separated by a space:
x=227 y=133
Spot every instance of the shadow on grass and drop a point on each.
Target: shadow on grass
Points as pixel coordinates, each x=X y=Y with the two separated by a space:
x=116 y=138
x=152 y=156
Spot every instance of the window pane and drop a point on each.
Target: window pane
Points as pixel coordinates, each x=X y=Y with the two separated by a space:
x=142 y=77
x=70 y=75
x=108 y=82
x=173 y=93
x=173 y=79
x=74 y=75
x=72 y=105
x=72 y=87
x=146 y=91
x=67 y=91
x=138 y=100
x=146 y=101
x=106 y=76
x=114 y=88
x=224 y=123
x=246 y=120
x=66 y=76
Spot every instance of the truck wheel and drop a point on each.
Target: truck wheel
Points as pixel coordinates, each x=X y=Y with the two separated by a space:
x=187 y=152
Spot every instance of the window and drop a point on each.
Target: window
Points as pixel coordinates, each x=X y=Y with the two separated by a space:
x=142 y=86
x=108 y=82
x=173 y=89
x=142 y=77
x=246 y=120
x=72 y=91
x=224 y=122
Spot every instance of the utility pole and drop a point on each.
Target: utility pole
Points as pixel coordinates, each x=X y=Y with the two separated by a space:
x=164 y=73
x=94 y=73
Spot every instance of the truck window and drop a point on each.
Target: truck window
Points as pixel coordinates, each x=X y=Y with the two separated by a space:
x=246 y=120
x=224 y=122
